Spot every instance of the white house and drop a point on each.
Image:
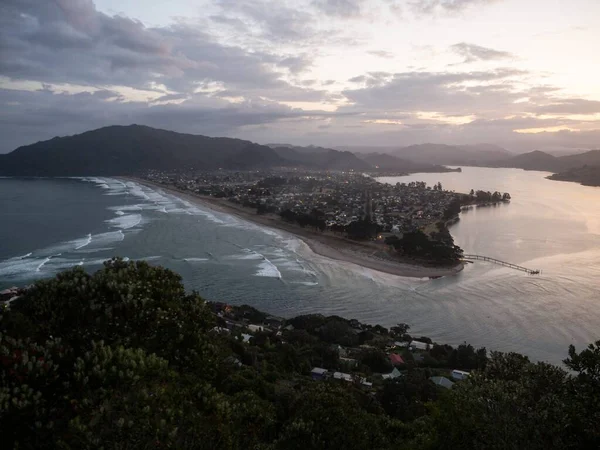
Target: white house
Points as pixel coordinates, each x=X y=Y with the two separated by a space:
x=459 y=374
x=418 y=345
x=391 y=376
x=342 y=376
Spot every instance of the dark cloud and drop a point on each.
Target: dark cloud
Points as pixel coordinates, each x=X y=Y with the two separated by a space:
x=69 y=41
x=473 y=53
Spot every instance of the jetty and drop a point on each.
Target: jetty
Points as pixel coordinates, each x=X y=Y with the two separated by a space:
x=501 y=263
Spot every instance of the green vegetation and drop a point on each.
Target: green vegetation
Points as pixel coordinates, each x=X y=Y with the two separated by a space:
x=489 y=197
x=125 y=359
x=418 y=245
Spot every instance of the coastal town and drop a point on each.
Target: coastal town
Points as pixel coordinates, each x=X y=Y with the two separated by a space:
x=340 y=197
x=405 y=221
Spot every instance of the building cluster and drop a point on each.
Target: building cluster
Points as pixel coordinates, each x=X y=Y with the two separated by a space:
x=338 y=197
x=247 y=323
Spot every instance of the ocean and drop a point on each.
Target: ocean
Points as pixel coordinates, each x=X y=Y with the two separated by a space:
x=48 y=225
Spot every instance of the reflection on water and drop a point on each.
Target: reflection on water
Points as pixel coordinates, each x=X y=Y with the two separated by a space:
x=548 y=225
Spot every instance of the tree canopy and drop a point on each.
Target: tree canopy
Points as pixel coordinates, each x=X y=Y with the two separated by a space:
x=126 y=359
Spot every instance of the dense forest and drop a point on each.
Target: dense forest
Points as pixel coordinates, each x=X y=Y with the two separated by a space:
x=126 y=359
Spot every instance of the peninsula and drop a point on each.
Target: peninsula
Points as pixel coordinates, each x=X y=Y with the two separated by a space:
x=400 y=230
x=586 y=175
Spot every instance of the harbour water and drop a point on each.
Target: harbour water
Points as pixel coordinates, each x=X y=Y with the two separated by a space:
x=48 y=225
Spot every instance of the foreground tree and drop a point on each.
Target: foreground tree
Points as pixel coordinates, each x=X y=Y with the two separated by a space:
x=125 y=359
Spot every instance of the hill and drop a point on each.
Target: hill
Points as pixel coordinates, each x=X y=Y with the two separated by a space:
x=586 y=175
x=324 y=158
x=126 y=150
x=536 y=160
x=590 y=158
x=385 y=161
x=134 y=149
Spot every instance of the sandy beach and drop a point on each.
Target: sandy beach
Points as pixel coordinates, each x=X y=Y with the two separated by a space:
x=324 y=244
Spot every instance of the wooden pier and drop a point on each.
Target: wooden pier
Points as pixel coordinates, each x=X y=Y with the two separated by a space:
x=502 y=263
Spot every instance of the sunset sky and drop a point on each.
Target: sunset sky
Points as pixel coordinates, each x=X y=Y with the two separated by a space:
x=524 y=74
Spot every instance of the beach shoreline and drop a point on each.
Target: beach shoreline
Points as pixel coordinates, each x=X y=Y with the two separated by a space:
x=325 y=245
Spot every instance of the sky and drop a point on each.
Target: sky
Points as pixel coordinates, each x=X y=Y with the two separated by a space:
x=518 y=73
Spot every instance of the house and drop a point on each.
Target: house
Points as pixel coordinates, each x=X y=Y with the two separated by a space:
x=459 y=374
x=343 y=376
x=418 y=345
x=220 y=330
x=391 y=376
x=396 y=359
x=257 y=328
x=318 y=373
x=442 y=381
x=246 y=337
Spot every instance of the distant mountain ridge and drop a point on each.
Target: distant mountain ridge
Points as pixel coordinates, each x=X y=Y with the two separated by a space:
x=126 y=150
x=134 y=149
x=384 y=161
x=357 y=161
x=538 y=160
x=441 y=154
x=319 y=157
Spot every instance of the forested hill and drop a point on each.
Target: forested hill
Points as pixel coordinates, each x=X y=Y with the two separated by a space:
x=125 y=359
x=135 y=149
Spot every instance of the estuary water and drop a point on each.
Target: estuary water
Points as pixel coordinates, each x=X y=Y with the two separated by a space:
x=48 y=225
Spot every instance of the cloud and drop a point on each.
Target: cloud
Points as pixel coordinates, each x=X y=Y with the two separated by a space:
x=71 y=42
x=235 y=70
x=570 y=106
x=339 y=8
x=381 y=54
x=272 y=21
x=448 y=92
x=473 y=53
x=428 y=7
x=358 y=79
